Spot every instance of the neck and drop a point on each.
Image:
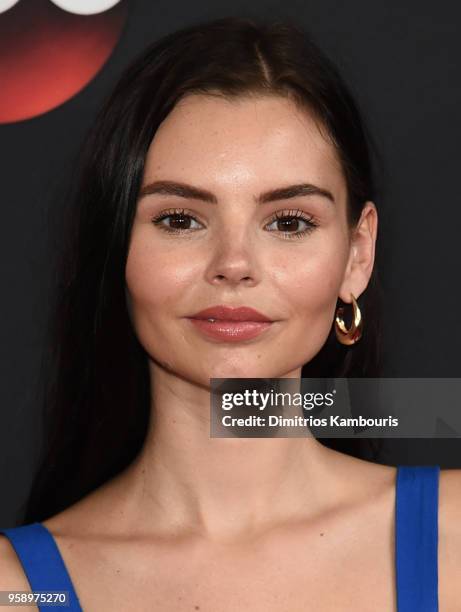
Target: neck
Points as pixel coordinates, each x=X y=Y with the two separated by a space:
x=222 y=487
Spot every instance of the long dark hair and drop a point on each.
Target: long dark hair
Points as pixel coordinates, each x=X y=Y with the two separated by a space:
x=96 y=392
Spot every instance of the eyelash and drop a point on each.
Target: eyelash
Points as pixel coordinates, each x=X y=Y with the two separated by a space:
x=285 y=214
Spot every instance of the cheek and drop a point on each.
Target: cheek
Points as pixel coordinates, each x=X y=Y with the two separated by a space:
x=156 y=283
x=310 y=280
x=156 y=277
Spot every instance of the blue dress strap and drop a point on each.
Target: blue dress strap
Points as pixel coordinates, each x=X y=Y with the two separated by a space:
x=42 y=562
x=416 y=538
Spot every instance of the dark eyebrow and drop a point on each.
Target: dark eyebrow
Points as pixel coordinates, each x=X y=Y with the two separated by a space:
x=183 y=190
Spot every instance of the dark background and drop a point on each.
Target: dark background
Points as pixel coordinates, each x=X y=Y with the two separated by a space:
x=401 y=60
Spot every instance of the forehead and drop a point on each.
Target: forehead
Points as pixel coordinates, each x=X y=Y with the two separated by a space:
x=268 y=139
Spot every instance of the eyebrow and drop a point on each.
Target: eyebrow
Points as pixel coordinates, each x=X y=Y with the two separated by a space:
x=182 y=190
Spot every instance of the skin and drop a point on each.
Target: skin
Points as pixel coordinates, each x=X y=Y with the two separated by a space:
x=260 y=524
x=244 y=148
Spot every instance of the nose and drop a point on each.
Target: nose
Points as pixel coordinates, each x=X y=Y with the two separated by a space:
x=234 y=262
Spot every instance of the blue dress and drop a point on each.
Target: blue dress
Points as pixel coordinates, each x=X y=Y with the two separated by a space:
x=416 y=539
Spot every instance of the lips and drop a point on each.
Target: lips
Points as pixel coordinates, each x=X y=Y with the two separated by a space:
x=225 y=313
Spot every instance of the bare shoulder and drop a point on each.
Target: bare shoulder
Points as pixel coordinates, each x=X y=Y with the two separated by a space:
x=450 y=506
x=82 y=519
x=449 y=539
x=12 y=576
x=450 y=489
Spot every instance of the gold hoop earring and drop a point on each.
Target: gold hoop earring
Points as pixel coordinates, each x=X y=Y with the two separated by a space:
x=354 y=333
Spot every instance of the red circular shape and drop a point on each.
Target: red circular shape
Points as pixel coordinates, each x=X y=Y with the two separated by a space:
x=48 y=55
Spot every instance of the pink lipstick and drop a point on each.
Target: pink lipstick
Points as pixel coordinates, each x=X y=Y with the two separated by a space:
x=231 y=324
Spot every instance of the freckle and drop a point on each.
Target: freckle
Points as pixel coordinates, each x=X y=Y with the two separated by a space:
x=196 y=607
x=321 y=534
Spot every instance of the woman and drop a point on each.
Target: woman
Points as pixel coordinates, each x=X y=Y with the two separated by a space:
x=230 y=167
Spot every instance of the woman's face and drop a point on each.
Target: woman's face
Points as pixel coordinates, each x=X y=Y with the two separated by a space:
x=234 y=251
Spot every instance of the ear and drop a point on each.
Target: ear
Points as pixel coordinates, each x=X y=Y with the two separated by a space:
x=361 y=254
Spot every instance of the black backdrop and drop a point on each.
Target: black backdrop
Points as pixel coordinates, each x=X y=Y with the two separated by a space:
x=401 y=60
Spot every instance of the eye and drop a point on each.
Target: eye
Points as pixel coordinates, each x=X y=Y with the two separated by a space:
x=182 y=222
x=84 y=7
x=7 y=4
x=179 y=217
x=290 y=220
